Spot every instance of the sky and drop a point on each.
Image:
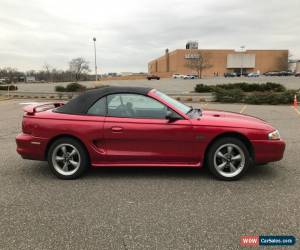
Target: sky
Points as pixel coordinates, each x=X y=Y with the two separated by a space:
x=133 y=32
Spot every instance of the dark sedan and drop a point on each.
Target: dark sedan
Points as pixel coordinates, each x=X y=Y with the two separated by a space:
x=153 y=77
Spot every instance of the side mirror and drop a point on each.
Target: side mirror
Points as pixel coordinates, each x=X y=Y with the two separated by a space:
x=171 y=116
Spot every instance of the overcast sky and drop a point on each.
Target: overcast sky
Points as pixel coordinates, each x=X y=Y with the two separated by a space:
x=132 y=32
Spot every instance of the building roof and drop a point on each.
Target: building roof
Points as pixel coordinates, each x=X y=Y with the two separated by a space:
x=81 y=103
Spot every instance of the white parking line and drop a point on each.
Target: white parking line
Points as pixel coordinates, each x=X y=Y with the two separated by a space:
x=296 y=110
x=243 y=109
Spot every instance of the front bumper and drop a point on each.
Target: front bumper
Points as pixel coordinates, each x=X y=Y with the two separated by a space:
x=30 y=147
x=268 y=150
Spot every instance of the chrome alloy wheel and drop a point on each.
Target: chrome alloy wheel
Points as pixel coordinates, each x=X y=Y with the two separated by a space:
x=66 y=159
x=229 y=160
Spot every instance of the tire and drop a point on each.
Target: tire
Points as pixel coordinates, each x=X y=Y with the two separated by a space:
x=228 y=159
x=67 y=158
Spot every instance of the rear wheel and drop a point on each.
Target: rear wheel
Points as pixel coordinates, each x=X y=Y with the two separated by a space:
x=67 y=158
x=228 y=159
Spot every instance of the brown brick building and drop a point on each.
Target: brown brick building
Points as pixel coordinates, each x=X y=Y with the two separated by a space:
x=221 y=61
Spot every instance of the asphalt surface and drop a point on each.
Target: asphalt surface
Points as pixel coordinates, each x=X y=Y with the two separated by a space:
x=147 y=208
x=167 y=85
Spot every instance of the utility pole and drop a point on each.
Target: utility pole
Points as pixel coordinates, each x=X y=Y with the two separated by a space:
x=94 y=39
x=242 y=50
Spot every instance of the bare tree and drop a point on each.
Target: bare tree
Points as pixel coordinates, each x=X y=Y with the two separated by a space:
x=56 y=75
x=198 y=60
x=47 y=68
x=282 y=63
x=79 y=66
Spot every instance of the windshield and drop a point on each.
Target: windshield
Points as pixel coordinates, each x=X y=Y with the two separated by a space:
x=178 y=105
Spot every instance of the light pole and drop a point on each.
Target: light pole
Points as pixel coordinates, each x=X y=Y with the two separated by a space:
x=94 y=39
x=242 y=50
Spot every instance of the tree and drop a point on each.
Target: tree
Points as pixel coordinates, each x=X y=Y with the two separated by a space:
x=11 y=74
x=282 y=63
x=47 y=68
x=79 y=66
x=198 y=60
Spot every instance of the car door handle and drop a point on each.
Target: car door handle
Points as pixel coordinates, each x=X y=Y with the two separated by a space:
x=117 y=129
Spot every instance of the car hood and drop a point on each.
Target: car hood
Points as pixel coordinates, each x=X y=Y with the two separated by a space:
x=231 y=119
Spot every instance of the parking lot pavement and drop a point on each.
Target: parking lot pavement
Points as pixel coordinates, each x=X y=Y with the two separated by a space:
x=147 y=208
x=168 y=85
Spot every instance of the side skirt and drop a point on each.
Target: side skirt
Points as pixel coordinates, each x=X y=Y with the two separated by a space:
x=110 y=164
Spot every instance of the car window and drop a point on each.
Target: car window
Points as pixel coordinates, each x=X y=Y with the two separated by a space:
x=182 y=107
x=98 y=108
x=135 y=106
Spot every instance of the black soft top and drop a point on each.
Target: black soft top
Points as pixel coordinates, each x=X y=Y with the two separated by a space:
x=81 y=103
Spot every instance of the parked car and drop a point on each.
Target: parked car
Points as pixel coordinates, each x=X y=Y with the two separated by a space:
x=253 y=74
x=178 y=76
x=297 y=74
x=278 y=73
x=270 y=73
x=241 y=74
x=230 y=74
x=4 y=80
x=134 y=126
x=285 y=73
x=189 y=77
x=153 y=77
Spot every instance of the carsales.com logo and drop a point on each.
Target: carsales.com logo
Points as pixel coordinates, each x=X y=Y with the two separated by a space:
x=254 y=241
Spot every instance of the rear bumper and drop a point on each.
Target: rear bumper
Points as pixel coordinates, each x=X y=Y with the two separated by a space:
x=268 y=151
x=30 y=147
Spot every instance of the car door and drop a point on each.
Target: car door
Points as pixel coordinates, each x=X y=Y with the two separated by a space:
x=137 y=132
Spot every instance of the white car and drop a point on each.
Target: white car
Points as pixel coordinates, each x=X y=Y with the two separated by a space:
x=189 y=77
x=178 y=76
x=253 y=74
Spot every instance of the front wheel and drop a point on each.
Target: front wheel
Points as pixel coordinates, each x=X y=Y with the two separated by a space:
x=67 y=158
x=228 y=159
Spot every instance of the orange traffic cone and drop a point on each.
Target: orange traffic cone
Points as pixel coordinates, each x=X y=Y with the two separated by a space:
x=295 y=102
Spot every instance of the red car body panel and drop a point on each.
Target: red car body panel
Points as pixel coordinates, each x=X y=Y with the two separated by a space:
x=115 y=141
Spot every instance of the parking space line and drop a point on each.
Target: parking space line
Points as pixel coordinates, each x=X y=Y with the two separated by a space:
x=205 y=105
x=4 y=99
x=243 y=109
x=296 y=110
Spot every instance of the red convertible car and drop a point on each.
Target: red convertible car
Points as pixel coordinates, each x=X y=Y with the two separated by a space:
x=128 y=126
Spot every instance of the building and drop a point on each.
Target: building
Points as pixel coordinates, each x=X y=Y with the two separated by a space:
x=294 y=66
x=221 y=61
x=297 y=70
x=30 y=78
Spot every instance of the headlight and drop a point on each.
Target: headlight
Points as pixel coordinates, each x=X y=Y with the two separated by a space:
x=274 y=135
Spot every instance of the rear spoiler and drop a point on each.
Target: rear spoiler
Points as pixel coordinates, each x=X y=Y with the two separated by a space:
x=34 y=108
